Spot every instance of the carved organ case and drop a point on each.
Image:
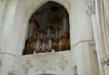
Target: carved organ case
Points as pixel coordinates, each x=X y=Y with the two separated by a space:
x=48 y=29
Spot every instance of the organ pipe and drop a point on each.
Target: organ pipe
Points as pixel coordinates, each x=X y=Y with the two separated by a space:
x=66 y=24
x=31 y=30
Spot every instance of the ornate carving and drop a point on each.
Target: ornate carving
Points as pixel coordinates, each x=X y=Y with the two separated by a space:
x=91 y=7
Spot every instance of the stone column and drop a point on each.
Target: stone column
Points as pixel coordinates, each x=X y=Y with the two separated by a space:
x=104 y=22
x=105 y=25
x=8 y=37
x=82 y=40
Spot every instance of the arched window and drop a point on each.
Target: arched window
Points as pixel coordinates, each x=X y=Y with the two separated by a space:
x=48 y=30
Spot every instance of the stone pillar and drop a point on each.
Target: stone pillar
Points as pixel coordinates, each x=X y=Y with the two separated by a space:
x=8 y=37
x=82 y=37
x=105 y=29
x=105 y=25
x=99 y=47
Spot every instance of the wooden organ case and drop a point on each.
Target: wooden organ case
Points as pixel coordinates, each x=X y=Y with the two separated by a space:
x=52 y=36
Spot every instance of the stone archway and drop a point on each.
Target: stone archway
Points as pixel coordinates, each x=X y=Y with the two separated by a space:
x=30 y=9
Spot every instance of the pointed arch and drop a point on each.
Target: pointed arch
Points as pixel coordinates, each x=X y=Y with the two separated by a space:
x=34 y=6
x=63 y=26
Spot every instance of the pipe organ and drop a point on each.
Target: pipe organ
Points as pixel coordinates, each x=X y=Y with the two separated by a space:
x=47 y=37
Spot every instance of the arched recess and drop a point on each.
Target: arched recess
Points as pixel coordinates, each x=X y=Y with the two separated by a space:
x=30 y=9
x=23 y=13
x=36 y=4
x=63 y=26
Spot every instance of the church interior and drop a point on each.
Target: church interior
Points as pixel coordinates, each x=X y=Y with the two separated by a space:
x=54 y=37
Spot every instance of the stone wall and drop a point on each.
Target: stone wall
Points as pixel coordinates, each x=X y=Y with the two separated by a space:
x=59 y=63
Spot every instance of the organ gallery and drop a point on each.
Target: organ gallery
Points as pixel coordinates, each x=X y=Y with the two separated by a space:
x=48 y=30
